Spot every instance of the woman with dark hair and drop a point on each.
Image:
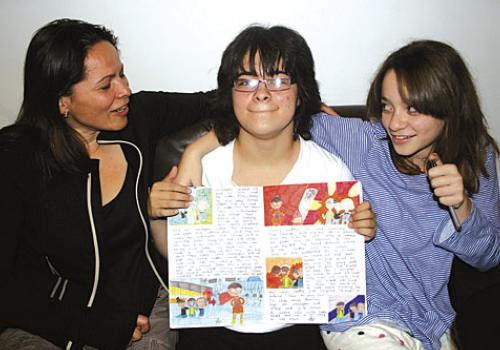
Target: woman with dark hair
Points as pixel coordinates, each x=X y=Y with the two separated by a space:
x=266 y=94
x=425 y=153
x=77 y=265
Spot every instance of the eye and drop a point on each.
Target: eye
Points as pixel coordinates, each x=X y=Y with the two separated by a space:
x=412 y=110
x=386 y=108
x=239 y=83
x=274 y=83
x=279 y=82
x=105 y=84
x=246 y=84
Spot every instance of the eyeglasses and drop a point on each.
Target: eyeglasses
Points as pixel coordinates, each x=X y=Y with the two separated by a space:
x=272 y=84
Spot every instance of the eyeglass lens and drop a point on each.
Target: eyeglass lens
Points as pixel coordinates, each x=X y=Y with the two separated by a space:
x=272 y=84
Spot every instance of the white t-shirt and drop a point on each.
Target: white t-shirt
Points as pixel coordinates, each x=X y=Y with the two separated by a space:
x=314 y=164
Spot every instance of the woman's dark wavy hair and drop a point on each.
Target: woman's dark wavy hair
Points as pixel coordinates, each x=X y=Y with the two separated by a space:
x=279 y=48
x=434 y=79
x=55 y=61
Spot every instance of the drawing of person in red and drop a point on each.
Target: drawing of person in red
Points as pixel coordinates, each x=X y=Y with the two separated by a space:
x=273 y=277
x=207 y=294
x=277 y=215
x=234 y=289
x=233 y=296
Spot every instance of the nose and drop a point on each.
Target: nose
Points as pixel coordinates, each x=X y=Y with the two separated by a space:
x=124 y=88
x=262 y=93
x=398 y=120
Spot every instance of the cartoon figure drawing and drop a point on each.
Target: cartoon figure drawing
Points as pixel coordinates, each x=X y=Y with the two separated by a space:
x=273 y=279
x=277 y=215
x=329 y=215
x=191 y=307
x=330 y=211
x=233 y=295
x=305 y=204
x=201 y=210
x=361 y=310
x=347 y=205
x=207 y=294
x=340 y=311
x=201 y=303
x=181 y=303
x=298 y=278
x=236 y=301
x=353 y=311
x=286 y=280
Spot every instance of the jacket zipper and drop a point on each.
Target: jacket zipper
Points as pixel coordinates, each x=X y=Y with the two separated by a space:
x=97 y=264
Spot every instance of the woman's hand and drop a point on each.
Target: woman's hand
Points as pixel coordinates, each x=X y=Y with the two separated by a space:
x=167 y=196
x=448 y=186
x=363 y=220
x=141 y=327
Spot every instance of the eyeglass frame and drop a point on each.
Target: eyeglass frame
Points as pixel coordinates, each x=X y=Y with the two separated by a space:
x=264 y=81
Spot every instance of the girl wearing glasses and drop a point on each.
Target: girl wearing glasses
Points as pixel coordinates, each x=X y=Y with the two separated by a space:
x=266 y=94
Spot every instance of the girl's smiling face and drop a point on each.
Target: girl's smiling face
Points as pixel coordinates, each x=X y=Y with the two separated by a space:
x=262 y=113
x=412 y=133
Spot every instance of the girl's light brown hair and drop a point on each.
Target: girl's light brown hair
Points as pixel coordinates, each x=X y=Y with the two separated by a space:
x=434 y=79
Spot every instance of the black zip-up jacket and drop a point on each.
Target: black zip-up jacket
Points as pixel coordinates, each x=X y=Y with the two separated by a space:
x=50 y=261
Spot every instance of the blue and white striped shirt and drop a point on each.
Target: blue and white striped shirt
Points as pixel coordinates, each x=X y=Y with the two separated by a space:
x=408 y=262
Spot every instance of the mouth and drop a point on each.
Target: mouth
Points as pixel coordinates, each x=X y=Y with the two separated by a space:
x=401 y=138
x=268 y=110
x=121 y=109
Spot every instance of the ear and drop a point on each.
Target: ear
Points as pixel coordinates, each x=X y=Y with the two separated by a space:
x=64 y=104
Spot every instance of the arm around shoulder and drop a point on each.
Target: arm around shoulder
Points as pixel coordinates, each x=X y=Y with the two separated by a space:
x=171 y=111
x=190 y=169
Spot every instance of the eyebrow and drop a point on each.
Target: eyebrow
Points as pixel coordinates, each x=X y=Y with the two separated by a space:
x=110 y=76
x=246 y=73
x=255 y=73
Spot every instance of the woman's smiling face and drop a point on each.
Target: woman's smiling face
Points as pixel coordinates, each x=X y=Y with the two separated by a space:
x=99 y=101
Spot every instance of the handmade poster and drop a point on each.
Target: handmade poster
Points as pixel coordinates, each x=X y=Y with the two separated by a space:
x=274 y=254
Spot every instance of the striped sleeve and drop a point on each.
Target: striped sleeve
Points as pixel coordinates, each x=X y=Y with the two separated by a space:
x=348 y=138
x=478 y=242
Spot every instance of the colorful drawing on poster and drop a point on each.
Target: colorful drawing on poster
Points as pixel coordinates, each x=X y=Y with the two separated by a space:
x=309 y=204
x=284 y=272
x=351 y=310
x=233 y=296
x=200 y=211
x=220 y=301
